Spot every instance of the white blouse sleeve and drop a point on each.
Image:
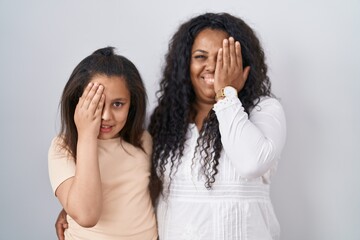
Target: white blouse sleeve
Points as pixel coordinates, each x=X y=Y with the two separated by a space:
x=252 y=143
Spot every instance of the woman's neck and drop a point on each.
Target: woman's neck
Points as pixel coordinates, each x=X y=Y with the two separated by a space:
x=202 y=110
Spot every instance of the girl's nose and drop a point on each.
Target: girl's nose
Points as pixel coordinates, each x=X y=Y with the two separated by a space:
x=105 y=114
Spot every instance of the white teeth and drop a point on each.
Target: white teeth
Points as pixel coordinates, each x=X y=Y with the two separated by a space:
x=209 y=80
x=105 y=126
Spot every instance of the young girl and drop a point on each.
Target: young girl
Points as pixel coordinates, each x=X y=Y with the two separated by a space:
x=99 y=164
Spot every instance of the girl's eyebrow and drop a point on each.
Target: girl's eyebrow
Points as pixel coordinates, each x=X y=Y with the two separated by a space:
x=199 y=50
x=119 y=99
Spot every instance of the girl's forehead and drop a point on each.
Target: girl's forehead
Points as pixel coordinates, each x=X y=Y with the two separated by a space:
x=114 y=86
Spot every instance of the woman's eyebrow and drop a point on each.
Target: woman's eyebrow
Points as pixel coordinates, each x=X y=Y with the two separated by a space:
x=199 y=50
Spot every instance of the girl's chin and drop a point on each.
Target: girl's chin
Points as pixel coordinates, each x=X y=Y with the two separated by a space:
x=107 y=136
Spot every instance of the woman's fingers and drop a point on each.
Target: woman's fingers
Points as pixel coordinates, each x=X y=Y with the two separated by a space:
x=233 y=60
x=226 y=56
x=238 y=54
x=229 y=66
x=219 y=60
x=61 y=224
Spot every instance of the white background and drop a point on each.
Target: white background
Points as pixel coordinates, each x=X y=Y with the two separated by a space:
x=312 y=49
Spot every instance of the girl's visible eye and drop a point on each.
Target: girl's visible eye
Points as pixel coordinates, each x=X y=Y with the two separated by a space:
x=118 y=104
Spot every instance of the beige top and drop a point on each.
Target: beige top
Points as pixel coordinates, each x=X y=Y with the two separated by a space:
x=127 y=211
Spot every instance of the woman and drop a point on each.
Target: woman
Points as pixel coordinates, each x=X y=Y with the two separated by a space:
x=217 y=134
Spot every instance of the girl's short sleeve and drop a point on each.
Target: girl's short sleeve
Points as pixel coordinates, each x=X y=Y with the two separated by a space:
x=60 y=163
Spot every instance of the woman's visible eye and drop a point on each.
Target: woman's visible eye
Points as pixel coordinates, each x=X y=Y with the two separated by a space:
x=199 y=56
x=118 y=104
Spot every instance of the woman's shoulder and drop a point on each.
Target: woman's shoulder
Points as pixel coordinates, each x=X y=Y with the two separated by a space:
x=269 y=100
x=266 y=102
x=268 y=107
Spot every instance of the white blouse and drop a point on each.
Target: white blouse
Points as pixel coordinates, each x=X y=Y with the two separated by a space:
x=238 y=205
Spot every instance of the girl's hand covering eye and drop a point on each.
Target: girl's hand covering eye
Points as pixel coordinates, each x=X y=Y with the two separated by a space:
x=88 y=110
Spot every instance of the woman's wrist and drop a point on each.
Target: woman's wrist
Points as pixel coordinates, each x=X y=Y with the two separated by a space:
x=227 y=91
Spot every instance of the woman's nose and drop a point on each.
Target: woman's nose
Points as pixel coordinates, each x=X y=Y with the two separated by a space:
x=211 y=64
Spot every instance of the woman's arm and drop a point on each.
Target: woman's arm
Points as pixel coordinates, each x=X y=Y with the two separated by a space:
x=252 y=143
x=61 y=224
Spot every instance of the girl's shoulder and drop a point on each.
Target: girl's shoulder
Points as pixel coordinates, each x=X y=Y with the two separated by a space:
x=58 y=147
x=146 y=140
x=58 y=139
x=57 y=143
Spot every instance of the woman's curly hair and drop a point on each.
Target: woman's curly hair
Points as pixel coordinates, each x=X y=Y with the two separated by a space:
x=170 y=120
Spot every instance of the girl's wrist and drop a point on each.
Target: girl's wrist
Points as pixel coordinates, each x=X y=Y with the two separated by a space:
x=87 y=136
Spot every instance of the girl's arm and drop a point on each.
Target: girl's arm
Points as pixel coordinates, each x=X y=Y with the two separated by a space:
x=81 y=195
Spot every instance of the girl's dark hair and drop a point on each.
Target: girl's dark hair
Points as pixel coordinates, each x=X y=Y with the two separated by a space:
x=103 y=62
x=170 y=119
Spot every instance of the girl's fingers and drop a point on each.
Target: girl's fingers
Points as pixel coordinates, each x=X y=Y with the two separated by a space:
x=96 y=99
x=100 y=106
x=90 y=95
x=85 y=93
